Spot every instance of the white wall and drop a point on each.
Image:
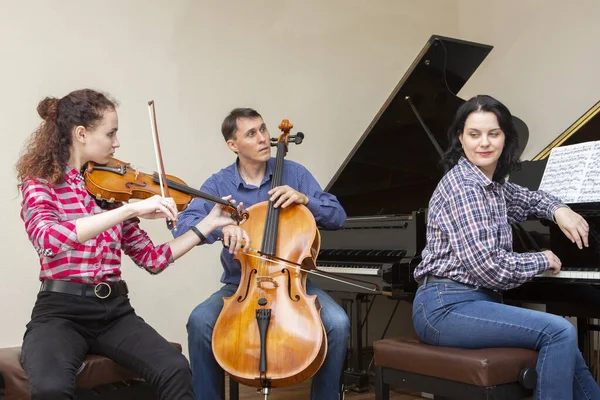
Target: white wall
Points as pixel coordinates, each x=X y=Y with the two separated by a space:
x=326 y=66
x=545 y=61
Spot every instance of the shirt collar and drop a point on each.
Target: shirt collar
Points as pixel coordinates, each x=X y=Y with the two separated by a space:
x=268 y=173
x=478 y=174
x=72 y=176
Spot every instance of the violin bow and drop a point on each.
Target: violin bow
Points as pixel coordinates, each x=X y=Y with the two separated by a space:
x=164 y=188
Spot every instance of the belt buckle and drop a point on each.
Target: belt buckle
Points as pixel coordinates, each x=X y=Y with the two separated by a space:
x=100 y=287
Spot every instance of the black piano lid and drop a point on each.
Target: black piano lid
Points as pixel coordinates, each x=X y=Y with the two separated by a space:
x=394 y=167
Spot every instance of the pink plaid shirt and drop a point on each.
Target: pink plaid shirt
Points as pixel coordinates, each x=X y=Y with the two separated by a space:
x=49 y=212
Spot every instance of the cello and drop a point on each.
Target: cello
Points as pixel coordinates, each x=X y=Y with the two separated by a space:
x=270 y=333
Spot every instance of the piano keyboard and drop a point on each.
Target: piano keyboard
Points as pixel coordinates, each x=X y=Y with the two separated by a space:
x=351 y=269
x=573 y=273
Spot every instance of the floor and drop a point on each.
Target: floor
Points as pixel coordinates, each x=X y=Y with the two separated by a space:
x=302 y=392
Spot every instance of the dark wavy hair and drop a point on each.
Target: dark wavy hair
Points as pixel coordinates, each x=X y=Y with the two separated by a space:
x=49 y=147
x=229 y=125
x=509 y=159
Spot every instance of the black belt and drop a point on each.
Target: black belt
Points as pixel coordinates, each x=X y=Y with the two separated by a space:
x=433 y=279
x=102 y=290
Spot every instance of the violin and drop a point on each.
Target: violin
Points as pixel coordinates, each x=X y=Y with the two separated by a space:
x=270 y=332
x=119 y=181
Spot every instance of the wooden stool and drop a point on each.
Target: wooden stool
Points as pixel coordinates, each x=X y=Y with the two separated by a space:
x=452 y=373
x=99 y=378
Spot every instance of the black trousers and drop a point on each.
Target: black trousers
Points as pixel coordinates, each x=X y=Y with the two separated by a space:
x=64 y=328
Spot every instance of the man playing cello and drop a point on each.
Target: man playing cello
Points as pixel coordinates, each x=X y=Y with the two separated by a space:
x=248 y=180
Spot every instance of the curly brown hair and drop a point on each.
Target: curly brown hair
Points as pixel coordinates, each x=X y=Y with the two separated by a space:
x=48 y=149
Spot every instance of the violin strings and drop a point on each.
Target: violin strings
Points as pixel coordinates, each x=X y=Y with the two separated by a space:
x=310 y=271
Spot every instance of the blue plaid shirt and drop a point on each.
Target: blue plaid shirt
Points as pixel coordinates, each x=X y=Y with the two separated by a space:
x=469 y=237
x=328 y=212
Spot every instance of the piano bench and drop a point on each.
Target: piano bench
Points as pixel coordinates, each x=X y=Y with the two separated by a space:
x=453 y=373
x=99 y=378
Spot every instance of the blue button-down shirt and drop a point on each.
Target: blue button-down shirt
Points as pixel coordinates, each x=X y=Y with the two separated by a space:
x=469 y=237
x=325 y=207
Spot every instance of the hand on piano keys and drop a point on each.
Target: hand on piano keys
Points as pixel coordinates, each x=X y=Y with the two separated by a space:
x=554 y=261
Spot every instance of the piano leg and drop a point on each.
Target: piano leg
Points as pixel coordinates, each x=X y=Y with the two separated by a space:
x=355 y=376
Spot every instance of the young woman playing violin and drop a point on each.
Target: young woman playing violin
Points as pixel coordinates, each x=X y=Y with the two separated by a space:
x=82 y=305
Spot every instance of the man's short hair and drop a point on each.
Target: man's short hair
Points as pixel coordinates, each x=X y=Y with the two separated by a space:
x=229 y=125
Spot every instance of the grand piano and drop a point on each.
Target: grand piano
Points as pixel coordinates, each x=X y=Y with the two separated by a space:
x=387 y=179
x=386 y=182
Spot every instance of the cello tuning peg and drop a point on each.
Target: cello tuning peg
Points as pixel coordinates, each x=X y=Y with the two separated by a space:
x=298 y=137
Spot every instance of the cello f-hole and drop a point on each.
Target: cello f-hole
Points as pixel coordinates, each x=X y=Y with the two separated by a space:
x=240 y=298
x=289 y=280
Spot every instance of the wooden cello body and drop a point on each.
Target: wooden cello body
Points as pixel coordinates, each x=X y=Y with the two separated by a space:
x=270 y=333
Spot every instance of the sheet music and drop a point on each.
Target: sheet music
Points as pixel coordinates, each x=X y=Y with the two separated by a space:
x=573 y=173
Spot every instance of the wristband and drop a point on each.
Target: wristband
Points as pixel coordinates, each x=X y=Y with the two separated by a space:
x=199 y=234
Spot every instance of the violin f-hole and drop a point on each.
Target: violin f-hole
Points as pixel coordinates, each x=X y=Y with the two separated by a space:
x=128 y=185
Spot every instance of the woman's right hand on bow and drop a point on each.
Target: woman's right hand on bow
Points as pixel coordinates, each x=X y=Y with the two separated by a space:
x=155 y=207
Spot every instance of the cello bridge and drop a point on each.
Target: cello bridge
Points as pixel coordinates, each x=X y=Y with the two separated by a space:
x=260 y=280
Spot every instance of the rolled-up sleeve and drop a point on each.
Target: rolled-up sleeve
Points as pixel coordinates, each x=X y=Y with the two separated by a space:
x=137 y=244
x=325 y=207
x=47 y=232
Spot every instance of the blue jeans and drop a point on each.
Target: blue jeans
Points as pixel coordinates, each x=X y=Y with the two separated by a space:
x=207 y=374
x=456 y=315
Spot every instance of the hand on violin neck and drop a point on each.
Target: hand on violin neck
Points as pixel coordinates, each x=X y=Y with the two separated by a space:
x=155 y=207
x=284 y=196
x=235 y=238
x=220 y=216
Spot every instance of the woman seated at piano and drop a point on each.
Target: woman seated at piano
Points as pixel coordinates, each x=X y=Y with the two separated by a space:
x=468 y=260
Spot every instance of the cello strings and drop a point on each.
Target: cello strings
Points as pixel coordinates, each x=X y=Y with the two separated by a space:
x=307 y=270
x=270 y=232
